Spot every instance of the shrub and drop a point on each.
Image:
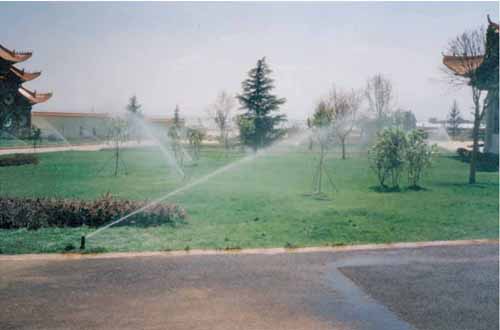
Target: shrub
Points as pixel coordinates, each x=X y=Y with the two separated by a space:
x=485 y=161
x=49 y=212
x=18 y=159
x=418 y=156
x=387 y=156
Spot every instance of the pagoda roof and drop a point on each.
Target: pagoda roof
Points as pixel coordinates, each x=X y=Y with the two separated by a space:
x=462 y=65
x=24 y=75
x=13 y=56
x=465 y=65
x=34 y=97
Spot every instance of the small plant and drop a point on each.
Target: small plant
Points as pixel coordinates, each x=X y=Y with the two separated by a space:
x=36 y=137
x=195 y=137
x=387 y=156
x=418 y=156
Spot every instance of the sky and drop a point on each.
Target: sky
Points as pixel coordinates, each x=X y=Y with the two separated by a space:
x=94 y=56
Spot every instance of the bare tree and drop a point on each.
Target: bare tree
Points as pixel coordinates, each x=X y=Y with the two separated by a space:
x=323 y=131
x=462 y=57
x=380 y=97
x=344 y=106
x=118 y=132
x=221 y=111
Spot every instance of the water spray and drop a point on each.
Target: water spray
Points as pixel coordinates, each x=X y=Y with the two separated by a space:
x=194 y=183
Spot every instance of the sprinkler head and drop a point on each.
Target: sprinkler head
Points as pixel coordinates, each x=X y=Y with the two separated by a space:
x=82 y=243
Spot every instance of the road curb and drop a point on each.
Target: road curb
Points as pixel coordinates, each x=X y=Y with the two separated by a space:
x=263 y=251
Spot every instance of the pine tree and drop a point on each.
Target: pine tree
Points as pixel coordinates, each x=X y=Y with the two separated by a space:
x=177 y=117
x=259 y=124
x=454 y=119
x=133 y=105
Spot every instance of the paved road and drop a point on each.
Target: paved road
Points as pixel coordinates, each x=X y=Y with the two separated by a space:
x=453 y=287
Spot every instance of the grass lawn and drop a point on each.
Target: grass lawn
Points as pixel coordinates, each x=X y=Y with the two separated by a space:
x=262 y=203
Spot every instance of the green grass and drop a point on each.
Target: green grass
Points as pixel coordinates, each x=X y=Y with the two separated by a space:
x=261 y=203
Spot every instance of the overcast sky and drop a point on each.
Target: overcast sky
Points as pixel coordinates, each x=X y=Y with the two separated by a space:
x=96 y=55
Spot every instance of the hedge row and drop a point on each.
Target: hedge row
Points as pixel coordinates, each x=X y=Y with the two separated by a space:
x=18 y=159
x=486 y=161
x=48 y=212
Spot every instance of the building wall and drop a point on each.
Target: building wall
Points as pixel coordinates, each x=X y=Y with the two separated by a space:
x=491 y=134
x=88 y=126
x=71 y=127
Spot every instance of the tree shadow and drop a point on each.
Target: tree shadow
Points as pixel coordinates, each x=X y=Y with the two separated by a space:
x=385 y=189
x=479 y=185
x=318 y=196
x=388 y=190
x=151 y=222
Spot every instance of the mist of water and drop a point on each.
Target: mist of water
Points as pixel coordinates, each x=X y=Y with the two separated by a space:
x=439 y=135
x=277 y=148
x=48 y=127
x=14 y=138
x=161 y=139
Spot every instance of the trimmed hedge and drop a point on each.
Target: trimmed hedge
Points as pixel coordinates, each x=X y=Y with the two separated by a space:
x=49 y=212
x=18 y=159
x=485 y=161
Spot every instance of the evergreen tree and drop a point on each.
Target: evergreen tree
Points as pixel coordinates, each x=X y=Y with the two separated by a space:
x=133 y=105
x=177 y=117
x=259 y=124
x=134 y=114
x=454 y=119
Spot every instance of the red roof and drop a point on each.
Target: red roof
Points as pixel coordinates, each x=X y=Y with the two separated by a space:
x=24 y=75
x=462 y=65
x=93 y=115
x=34 y=97
x=68 y=114
x=13 y=56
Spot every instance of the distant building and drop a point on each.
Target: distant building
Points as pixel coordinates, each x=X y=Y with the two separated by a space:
x=15 y=100
x=82 y=125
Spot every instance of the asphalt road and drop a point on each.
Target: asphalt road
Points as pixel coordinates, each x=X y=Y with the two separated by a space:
x=453 y=287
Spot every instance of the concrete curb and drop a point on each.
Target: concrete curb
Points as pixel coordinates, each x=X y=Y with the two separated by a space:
x=264 y=251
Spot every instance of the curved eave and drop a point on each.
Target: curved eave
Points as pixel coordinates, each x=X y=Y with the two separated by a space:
x=34 y=97
x=13 y=56
x=462 y=65
x=23 y=75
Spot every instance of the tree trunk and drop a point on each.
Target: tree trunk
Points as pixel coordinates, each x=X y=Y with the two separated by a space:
x=343 y=148
x=475 y=147
x=320 y=174
x=117 y=156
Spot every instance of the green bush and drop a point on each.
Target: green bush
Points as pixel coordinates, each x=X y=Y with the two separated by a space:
x=18 y=159
x=395 y=151
x=387 y=156
x=34 y=213
x=418 y=155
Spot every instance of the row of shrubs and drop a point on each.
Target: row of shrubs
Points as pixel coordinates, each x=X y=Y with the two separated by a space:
x=395 y=152
x=34 y=213
x=18 y=159
x=486 y=161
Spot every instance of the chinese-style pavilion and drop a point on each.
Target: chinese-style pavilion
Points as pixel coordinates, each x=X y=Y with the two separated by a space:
x=15 y=100
x=485 y=69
